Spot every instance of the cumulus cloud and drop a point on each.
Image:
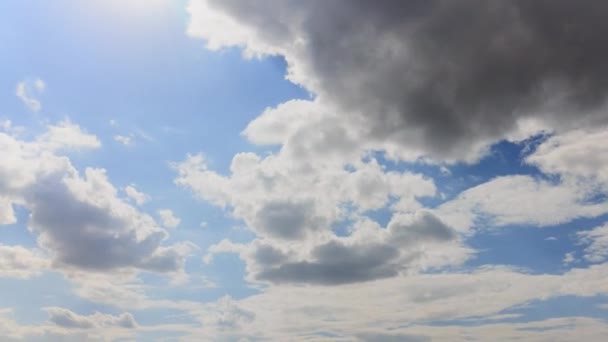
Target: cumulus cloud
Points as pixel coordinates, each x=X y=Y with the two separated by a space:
x=410 y=243
x=334 y=263
x=78 y=218
x=440 y=76
x=292 y=207
x=27 y=90
x=66 y=135
x=168 y=218
x=286 y=220
x=278 y=197
x=137 y=196
x=65 y=318
x=114 y=235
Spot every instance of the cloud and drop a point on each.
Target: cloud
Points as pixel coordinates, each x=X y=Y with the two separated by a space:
x=168 y=218
x=382 y=337
x=441 y=77
x=274 y=126
x=292 y=208
x=64 y=325
x=570 y=186
x=65 y=318
x=7 y=214
x=116 y=235
x=78 y=218
x=334 y=263
x=230 y=315
x=137 y=196
x=596 y=241
x=280 y=197
x=125 y=140
x=411 y=242
x=286 y=220
x=26 y=90
x=66 y=135
x=224 y=246
x=478 y=295
x=519 y=200
x=577 y=156
x=569 y=258
x=20 y=262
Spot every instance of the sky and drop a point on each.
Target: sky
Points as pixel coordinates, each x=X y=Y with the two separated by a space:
x=234 y=170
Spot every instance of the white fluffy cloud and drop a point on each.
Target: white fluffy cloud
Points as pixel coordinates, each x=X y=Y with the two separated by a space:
x=66 y=135
x=137 y=196
x=168 y=218
x=577 y=156
x=577 y=162
x=281 y=198
x=293 y=205
x=519 y=200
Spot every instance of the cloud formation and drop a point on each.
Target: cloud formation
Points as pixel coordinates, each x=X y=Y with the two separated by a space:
x=79 y=218
x=168 y=218
x=410 y=243
x=67 y=319
x=441 y=77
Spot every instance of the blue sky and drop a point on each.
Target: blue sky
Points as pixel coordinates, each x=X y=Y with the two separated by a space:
x=229 y=171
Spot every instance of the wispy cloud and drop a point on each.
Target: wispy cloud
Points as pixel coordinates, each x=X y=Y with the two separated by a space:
x=28 y=90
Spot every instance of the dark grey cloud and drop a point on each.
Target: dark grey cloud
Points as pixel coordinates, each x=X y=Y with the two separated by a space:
x=268 y=255
x=442 y=75
x=286 y=220
x=426 y=227
x=335 y=263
